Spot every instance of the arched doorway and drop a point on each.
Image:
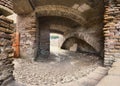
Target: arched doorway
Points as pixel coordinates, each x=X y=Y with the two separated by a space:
x=82 y=46
x=51 y=24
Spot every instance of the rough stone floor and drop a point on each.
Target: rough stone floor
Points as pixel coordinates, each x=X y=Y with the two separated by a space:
x=63 y=68
x=113 y=77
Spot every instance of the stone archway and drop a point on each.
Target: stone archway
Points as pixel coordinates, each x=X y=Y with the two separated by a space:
x=82 y=46
x=54 y=11
x=63 y=11
x=89 y=36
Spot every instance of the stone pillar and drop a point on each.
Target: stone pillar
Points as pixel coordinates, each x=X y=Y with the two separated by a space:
x=111 y=31
x=44 y=40
x=26 y=26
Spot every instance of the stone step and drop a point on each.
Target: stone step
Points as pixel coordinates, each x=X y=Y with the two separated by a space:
x=114 y=71
x=110 y=81
x=113 y=77
x=116 y=64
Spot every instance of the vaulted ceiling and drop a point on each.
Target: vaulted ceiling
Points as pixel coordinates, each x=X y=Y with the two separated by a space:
x=91 y=10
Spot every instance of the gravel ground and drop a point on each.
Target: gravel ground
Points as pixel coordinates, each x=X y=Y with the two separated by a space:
x=63 y=67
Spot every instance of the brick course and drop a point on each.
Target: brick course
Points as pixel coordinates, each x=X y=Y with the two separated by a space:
x=7 y=3
x=111 y=31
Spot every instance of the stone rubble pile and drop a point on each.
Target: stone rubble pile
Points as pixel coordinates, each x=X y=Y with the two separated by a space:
x=63 y=67
x=6 y=51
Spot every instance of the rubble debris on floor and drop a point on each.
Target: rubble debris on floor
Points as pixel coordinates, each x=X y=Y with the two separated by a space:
x=63 y=67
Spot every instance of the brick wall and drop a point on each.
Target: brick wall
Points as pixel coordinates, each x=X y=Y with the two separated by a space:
x=33 y=41
x=26 y=25
x=111 y=31
x=6 y=51
x=7 y=3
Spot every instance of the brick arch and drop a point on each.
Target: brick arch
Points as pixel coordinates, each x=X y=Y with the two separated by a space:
x=91 y=40
x=58 y=24
x=46 y=22
x=62 y=11
x=83 y=46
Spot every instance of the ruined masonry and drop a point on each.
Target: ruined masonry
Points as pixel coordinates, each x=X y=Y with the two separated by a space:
x=111 y=31
x=101 y=37
x=6 y=50
x=93 y=25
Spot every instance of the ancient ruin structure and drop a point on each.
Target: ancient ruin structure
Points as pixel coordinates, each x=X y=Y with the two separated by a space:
x=92 y=25
x=6 y=50
x=66 y=18
x=86 y=23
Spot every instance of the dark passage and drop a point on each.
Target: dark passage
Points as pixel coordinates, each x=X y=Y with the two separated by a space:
x=43 y=39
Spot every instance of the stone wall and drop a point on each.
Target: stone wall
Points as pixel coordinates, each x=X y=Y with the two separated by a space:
x=111 y=31
x=43 y=40
x=26 y=25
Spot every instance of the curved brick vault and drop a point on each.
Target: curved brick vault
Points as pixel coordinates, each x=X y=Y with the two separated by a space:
x=63 y=11
x=82 y=46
